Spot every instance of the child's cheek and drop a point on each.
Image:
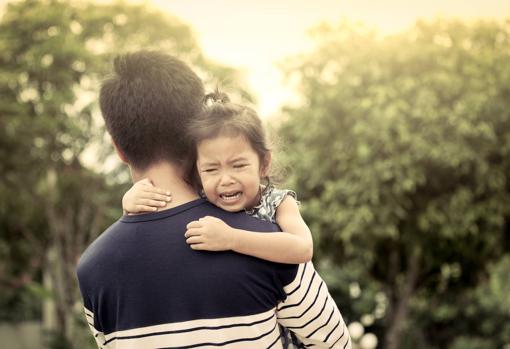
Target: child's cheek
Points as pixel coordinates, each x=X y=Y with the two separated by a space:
x=208 y=188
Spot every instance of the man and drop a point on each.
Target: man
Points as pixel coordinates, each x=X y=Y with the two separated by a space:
x=142 y=285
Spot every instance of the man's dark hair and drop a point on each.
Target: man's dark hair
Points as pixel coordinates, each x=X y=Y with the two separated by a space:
x=147 y=105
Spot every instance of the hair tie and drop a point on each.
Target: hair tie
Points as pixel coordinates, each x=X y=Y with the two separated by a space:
x=216 y=97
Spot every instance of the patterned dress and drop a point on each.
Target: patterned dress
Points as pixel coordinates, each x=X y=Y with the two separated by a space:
x=270 y=199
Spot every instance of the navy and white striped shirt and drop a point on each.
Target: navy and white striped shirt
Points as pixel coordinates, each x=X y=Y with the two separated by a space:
x=144 y=287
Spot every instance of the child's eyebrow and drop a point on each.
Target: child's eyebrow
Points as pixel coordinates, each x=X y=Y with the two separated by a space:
x=205 y=164
x=239 y=158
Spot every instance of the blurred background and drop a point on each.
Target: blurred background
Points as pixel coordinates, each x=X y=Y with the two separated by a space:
x=391 y=118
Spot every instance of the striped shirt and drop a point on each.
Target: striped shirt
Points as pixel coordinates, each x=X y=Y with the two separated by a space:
x=143 y=287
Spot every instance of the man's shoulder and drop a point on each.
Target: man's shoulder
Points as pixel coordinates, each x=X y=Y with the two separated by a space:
x=129 y=234
x=196 y=209
x=240 y=219
x=100 y=248
x=244 y=221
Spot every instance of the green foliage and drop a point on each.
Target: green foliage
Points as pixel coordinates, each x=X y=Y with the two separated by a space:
x=53 y=200
x=401 y=155
x=472 y=343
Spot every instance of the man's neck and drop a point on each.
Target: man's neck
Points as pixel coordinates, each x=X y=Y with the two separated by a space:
x=168 y=177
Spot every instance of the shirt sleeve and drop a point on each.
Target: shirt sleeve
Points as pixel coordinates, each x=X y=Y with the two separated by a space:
x=311 y=313
x=98 y=335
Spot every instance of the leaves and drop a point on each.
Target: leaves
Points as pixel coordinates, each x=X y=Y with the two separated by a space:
x=55 y=196
x=401 y=144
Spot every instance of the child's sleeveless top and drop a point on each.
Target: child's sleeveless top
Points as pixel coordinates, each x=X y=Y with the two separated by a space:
x=270 y=199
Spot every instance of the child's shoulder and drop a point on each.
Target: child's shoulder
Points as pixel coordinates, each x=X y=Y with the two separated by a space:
x=270 y=199
x=275 y=196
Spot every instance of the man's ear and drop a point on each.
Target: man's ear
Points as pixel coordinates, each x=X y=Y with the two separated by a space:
x=119 y=152
x=265 y=166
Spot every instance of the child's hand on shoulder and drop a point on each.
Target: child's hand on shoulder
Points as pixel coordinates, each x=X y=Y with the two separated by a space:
x=211 y=234
x=145 y=197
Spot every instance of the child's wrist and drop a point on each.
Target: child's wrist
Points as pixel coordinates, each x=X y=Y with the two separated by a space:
x=234 y=239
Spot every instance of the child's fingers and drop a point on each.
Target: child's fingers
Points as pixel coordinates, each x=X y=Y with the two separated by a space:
x=192 y=232
x=153 y=203
x=145 y=181
x=144 y=208
x=162 y=191
x=155 y=190
x=194 y=240
x=194 y=224
x=147 y=185
x=198 y=247
x=154 y=196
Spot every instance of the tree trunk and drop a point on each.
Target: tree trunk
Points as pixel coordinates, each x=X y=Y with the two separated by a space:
x=400 y=303
x=59 y=266
x=49 y=312
x=71 y=224
x=58 y=310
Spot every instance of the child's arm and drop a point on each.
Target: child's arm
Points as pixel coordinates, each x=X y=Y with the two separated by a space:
x=143 y=196
x=294 y=245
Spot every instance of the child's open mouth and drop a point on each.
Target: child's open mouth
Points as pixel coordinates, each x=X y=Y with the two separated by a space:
x=231 y=196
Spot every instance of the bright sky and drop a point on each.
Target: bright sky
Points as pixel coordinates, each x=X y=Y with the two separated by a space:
x=255 y=35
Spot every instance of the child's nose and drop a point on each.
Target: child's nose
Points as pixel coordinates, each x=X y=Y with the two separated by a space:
x=226 y=179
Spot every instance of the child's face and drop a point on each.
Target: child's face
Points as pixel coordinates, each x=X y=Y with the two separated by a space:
x=230 y=171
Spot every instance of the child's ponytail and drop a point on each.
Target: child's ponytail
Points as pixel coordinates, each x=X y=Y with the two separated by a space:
x=216 y=97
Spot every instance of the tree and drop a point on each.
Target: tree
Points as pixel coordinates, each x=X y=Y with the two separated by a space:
x=53 y=201
x=400 y=151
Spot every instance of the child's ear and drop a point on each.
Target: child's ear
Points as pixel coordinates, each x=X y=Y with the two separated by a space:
x=265 y=166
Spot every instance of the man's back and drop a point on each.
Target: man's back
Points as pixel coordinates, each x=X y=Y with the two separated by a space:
x=141 y=273
x=144 y=287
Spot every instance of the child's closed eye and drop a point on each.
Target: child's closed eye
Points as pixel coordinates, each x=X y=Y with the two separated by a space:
x=240 y=165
